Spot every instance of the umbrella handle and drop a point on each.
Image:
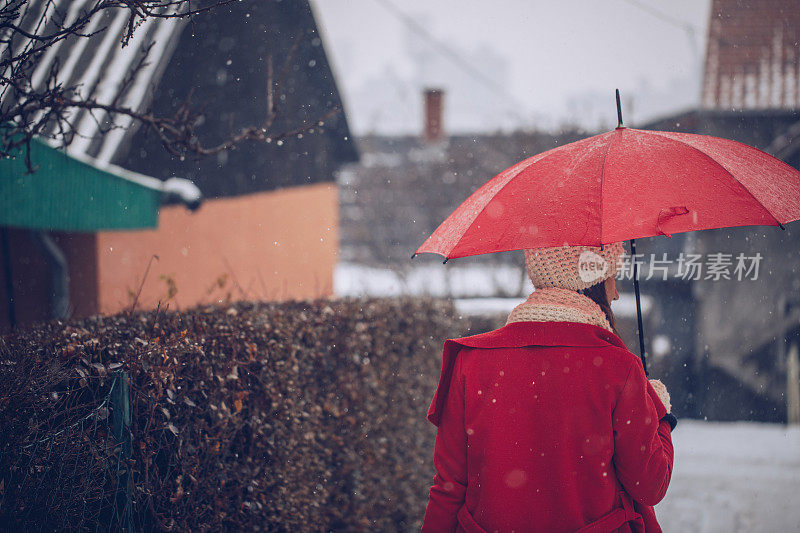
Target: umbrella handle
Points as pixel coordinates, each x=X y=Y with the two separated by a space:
x=638 y=306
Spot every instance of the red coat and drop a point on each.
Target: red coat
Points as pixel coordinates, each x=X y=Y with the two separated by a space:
x=546 y=426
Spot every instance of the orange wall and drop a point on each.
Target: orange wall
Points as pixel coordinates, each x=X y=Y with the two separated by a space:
x=268 y=246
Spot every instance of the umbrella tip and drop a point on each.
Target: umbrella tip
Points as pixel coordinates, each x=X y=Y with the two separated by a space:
x=782 y=226
x=446 y=259
x=619 y=111
x=413 y=255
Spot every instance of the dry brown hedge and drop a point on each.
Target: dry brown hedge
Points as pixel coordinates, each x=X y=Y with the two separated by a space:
x=303 y=416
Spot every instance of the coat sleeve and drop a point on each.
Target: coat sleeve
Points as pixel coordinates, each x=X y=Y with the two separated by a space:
x=642 y=440
x=450 y=459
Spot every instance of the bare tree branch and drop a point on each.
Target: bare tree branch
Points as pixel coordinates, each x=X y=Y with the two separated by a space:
x=49 y=109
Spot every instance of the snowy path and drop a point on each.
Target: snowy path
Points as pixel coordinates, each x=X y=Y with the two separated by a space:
x=733 y=477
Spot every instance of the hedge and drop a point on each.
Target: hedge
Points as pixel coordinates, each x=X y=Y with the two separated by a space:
x=302 y=416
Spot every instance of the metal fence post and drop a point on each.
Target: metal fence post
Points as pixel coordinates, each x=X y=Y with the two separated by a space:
x=793 y=385
x=121 y=409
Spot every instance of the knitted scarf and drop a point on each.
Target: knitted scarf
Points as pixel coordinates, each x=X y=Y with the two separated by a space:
x=554 y=304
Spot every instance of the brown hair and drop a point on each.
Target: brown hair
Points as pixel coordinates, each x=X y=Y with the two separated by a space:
x=597 y=293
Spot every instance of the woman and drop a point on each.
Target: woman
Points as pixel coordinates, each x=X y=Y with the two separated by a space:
x=549 y=423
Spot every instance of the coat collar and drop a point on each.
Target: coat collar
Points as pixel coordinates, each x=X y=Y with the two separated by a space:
x=518 y=335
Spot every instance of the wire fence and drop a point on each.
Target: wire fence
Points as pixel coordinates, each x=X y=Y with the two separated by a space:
x=72 y=471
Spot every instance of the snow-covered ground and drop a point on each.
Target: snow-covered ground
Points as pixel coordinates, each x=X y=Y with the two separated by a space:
x=474 y=286
x=470 y=281
x=733 y=477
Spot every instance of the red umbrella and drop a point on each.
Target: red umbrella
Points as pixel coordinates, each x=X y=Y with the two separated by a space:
x=618 y=186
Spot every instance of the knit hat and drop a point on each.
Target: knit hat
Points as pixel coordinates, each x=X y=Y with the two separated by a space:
x=573 y=267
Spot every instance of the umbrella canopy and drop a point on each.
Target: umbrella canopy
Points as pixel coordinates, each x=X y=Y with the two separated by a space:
x=621 y=185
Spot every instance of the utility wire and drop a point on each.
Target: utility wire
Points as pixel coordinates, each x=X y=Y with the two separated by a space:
x=442 y=48
x=666 y=17
x=690 y=29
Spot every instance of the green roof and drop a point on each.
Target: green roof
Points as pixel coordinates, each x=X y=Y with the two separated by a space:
x=74 y=193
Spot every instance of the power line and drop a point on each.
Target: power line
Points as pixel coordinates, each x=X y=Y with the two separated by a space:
x=442 y=48
x=666 y=17
x=690 y=29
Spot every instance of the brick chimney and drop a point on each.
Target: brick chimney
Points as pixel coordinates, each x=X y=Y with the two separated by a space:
x=433 y=128
x=752 y=58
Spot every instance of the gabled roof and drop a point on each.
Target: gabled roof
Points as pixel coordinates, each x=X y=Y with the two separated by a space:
x=751 y=56
x=221 y=57
x=100 y=67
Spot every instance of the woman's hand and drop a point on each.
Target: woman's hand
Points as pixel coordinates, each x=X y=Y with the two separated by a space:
x=663 y=395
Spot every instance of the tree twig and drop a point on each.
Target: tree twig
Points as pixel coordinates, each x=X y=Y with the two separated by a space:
x=50 y=109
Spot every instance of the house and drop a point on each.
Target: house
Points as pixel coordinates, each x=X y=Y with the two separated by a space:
x=269 y=224
x=730 y=338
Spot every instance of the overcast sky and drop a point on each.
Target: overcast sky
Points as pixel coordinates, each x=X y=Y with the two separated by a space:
x=513 y=63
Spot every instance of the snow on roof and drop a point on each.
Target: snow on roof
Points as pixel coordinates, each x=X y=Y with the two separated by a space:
x=99 y=67
x=222 y=63
x=751 y=58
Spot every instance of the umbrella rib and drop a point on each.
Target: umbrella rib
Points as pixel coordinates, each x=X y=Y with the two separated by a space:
x=602 y=181
x=479 y=213
x=748 y=191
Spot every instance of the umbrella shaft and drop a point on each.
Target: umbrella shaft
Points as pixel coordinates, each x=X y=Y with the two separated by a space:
x=638 y=306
